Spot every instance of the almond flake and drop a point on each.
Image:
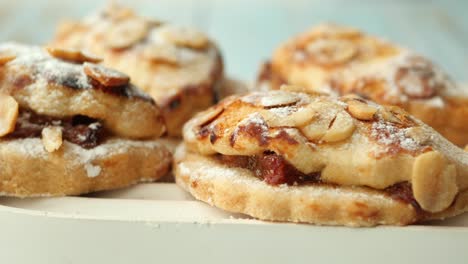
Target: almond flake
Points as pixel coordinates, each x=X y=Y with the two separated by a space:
x=8 y=114
x=52 y=138
x=279 y=99
x=185 y=37
x=73 y=55
x=105 y=76
x=126 y=33
x=331 y=51
x=163 y=54
x=361 y=110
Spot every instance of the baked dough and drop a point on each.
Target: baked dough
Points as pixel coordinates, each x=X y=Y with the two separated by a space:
x=361 y=152
x=28 y=170
x=178 y=66
x=340 y=60
x=70 y=127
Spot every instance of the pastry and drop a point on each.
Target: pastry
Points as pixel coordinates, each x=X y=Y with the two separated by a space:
x=340 y=60
x=289 y=156
x=69 y=126
x=178 y=66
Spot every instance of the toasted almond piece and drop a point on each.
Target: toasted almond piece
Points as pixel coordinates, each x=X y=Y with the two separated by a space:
x=279 y=99
x=73 y=55
x=434 y=181
x=419 y=134
x=361 y=110
x=105 y=76
x=8 y=114
x=160 y=53
x=331 y=51
x=52 y=138
x=318 y=128
x=389 y=116
x=6 y=57
x=126 y=33
x=209 y=115
x=342 y=128
x=466 y=148
x=185 y=37
x=396 y=115
x=301 y=89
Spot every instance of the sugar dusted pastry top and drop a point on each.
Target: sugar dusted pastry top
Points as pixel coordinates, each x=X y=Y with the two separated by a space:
x=339 y=60
x=345 y=60
x=163 y=59
x=64 y=83
x=348 y=140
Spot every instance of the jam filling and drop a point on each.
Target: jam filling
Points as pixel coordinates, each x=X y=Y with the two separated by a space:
x=270 y=167
x=275 y=170
x=81 y=130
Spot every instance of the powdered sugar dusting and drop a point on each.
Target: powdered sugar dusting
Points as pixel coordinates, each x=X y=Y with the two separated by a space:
x=283 y=111
x=43 y=66
x=391 y=136
x=406 y=76
x=276 y=99
x=254 y=119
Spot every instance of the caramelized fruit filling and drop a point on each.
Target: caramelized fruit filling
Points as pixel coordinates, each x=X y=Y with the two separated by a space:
x=81 y=130
x=275 y=170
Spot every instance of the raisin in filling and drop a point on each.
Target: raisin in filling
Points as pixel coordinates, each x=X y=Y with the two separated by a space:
x=275 y=170
x=81 y=130
x=270 y=167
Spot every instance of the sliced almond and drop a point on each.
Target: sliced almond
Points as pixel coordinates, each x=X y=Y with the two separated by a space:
x=162 y=54
x=73 y=55
x=185 y=37
x=434 y=181
x=8 y=114
x=6 y=57
x=395 y=114
x=105 y=76
x=126 y=33
x=52 y=138
x=361 y=110
x=208 y=115
x=419 y=134
x=319 y=127
x=300 y=89
x=342 y=127
x=331 y=51
x=278 y=99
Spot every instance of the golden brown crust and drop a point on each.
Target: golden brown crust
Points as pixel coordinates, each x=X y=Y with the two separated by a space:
x=340 y=60
x=27 y=169
x=349 y=141
x=179 y=67
x=57 y=88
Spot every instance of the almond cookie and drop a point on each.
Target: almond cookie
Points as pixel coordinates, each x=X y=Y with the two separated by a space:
x=68 y=126
x=178 y=66
x=340 y=60
x=288 y=156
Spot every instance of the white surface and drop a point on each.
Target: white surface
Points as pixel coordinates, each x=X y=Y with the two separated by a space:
x=162 y=223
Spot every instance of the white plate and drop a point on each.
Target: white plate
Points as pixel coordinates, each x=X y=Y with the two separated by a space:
x=160 y=222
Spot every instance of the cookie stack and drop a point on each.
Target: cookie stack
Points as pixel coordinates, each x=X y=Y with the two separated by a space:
x=341 y=128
